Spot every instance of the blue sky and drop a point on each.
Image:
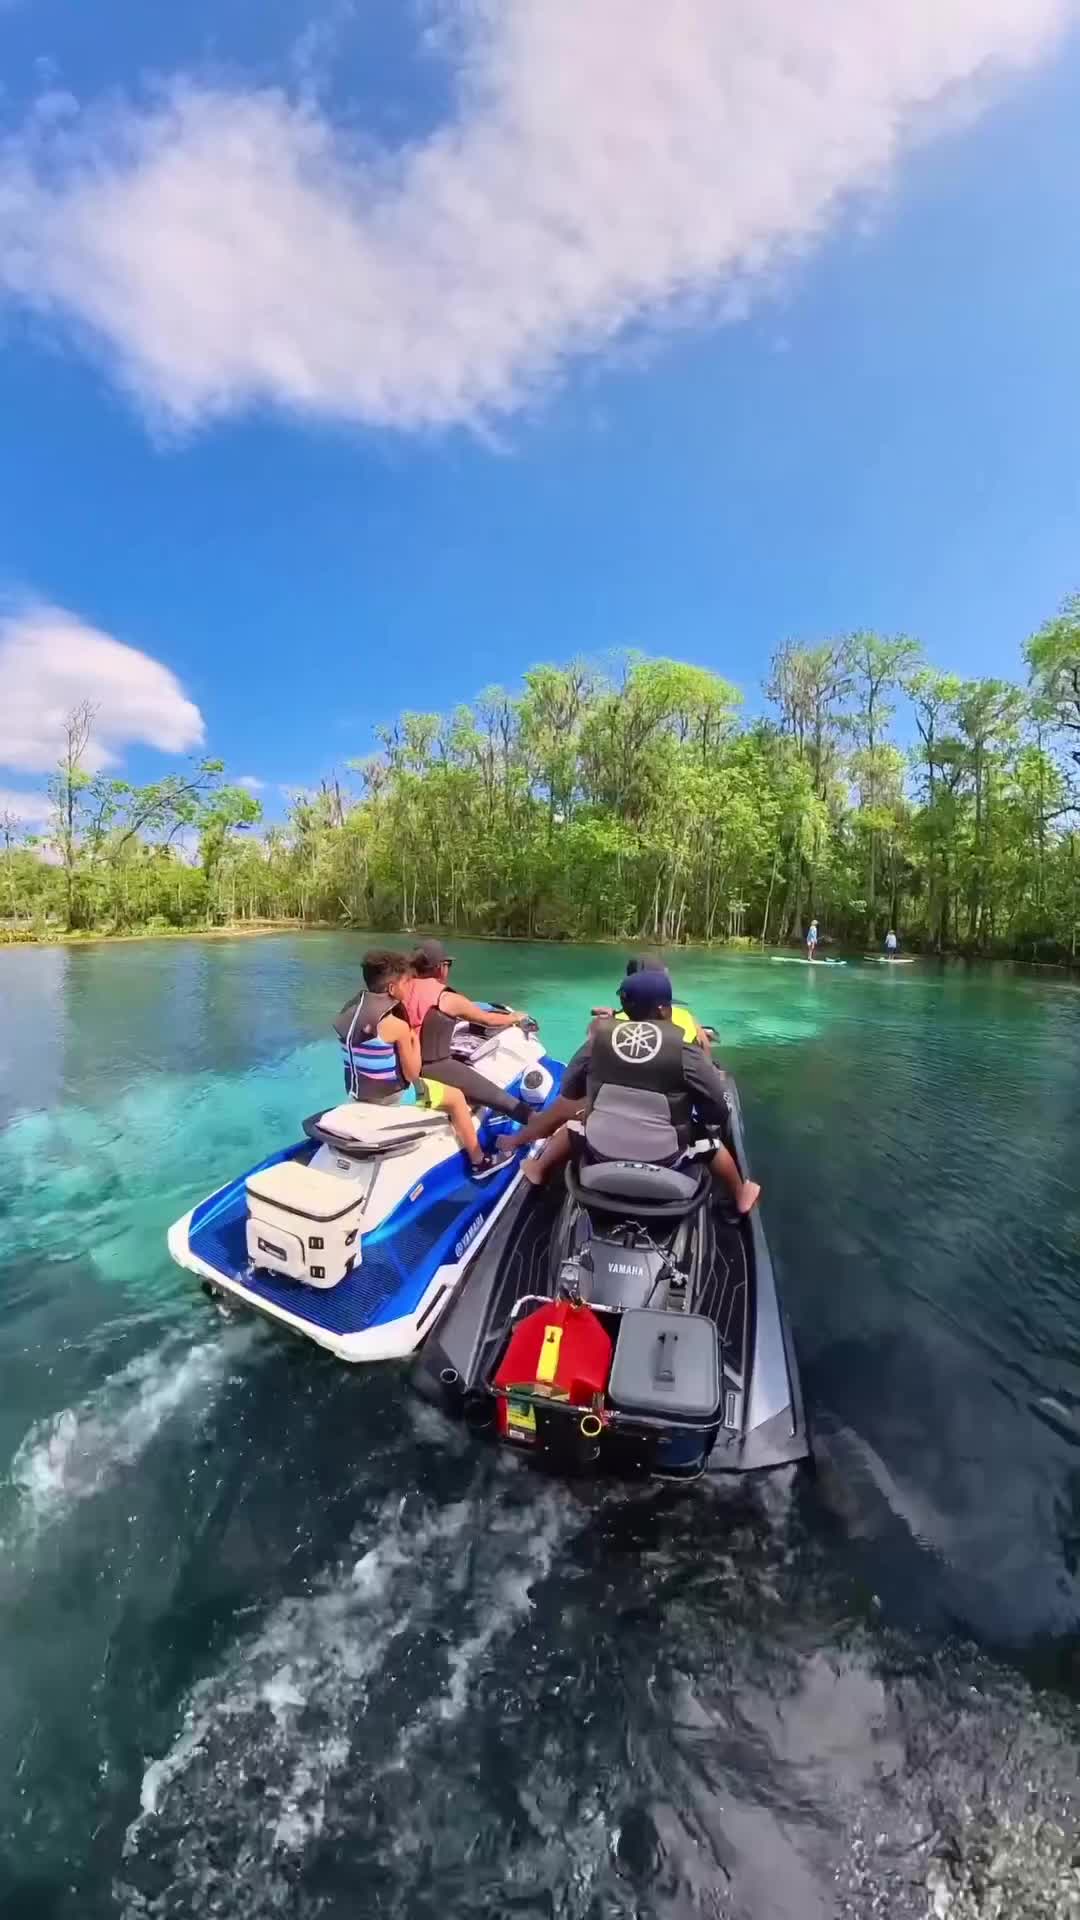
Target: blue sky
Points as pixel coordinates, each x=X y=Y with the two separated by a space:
x=357 y=357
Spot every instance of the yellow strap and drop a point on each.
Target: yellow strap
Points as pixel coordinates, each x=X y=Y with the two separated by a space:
x=548 y=1364
x=682 y=1018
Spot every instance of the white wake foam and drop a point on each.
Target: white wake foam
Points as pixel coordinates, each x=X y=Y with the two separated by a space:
x=311 y=1658
x=77 y=1452
x=264 y=1738
x=504 y=1601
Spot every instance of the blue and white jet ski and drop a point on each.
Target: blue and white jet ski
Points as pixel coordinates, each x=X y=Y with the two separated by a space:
x=359 y=1235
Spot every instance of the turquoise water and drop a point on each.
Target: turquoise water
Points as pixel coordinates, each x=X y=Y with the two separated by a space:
x=272 y=1639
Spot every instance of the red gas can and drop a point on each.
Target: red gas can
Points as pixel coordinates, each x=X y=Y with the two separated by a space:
x=560 y=1352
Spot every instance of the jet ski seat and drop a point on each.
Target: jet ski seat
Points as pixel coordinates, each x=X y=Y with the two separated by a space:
x=360 y=1128
x=634 y=1180
x=628 y=1145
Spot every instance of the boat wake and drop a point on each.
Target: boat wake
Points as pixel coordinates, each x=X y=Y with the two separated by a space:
x=81 y=1450
x=336 y=1694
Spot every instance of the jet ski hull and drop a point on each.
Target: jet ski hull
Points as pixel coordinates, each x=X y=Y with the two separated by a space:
x=761 y=1423
x=380 y=1311
x=423 y=1218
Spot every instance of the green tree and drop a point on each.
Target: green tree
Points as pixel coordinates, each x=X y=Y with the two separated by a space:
x=620 y=803
x=1053 y=658
x=988 y=715
x=878 y=666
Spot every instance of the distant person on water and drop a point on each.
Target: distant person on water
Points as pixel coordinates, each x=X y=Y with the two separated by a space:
x=811 y=939
x=691 y=1029
x=693 y=1087
x=382 y=1055
x=434 y=1008
x=891 y=942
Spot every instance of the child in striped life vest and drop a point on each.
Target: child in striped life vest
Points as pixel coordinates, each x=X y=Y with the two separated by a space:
x=382 y=1056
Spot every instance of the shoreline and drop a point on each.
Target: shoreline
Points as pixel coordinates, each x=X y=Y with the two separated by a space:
x=12 y=941
x=243 y=930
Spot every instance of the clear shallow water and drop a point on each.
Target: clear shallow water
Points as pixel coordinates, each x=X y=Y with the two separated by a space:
x=274 y=1640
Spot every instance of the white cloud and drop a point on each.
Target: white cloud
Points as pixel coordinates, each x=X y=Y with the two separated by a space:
x=50 y=661
x=249 y=781
x=28 y=808
x=611 y=161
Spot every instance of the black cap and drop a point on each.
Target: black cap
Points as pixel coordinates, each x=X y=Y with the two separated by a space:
x=434 y=952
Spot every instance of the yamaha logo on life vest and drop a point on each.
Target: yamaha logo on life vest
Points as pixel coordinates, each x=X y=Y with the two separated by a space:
x=636 y=1042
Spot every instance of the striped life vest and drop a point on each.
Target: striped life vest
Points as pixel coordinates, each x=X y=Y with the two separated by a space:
x=371 y=1065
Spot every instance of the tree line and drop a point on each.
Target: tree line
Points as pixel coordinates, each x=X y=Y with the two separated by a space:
x=634 y=801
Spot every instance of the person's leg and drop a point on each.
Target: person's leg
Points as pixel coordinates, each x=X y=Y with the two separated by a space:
x=476 y=1088
x=541 y=1125
x=453 y=1103
x=555 y=1154
x=744 y=1193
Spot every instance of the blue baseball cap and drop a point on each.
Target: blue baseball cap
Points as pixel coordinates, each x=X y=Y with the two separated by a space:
x=641 y=992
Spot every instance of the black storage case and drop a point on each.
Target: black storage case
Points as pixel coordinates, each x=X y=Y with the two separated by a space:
x=666 y=1367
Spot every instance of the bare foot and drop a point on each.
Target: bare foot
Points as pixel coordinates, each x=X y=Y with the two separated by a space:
x=749 y=1195
x=532 y=1173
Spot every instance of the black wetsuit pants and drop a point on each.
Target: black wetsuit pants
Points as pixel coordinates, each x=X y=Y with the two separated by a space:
x=481 y=1092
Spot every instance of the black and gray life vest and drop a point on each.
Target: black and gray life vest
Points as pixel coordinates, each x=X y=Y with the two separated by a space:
x=436 y=1033
x=371 y=1065
x=647 y=1055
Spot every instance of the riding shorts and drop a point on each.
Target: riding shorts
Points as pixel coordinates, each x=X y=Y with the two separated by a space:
x=425 y=1093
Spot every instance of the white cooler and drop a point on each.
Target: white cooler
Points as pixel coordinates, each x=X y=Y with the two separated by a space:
x=303 y=1223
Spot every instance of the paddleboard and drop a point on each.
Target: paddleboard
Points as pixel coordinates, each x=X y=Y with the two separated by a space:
x=893 y=959
x=793 y=960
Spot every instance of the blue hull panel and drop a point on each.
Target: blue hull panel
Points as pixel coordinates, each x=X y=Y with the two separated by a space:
x=399 y=1259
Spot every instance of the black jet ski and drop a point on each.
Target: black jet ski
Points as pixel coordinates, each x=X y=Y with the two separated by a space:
x=624 y=1319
